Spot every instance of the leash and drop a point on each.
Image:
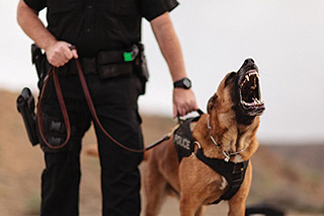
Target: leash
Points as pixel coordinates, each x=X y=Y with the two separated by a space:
x=52 y=72
x=166 y=137
x=96 y=119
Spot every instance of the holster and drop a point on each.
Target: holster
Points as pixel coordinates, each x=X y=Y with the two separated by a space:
x=140 y=67
x=26 y=102
x=26 y=106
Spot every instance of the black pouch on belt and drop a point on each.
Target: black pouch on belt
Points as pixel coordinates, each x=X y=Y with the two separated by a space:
x=141 y=65
x=111 y=64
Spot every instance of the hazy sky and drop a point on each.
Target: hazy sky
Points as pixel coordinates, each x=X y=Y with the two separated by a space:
x=285 y=38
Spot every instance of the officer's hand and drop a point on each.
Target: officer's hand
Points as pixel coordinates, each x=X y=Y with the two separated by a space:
x=184 y=101
x=60 y=53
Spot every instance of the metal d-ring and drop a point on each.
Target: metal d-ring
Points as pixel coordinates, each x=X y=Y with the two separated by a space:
x=199 y=147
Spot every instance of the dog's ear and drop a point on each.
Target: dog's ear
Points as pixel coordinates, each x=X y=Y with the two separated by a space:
x=230 y=77
x=211 y=103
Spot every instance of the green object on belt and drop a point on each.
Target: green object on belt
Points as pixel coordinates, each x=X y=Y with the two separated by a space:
x=128 y=56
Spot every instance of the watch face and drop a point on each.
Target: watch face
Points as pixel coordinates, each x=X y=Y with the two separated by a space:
x=186 y=83
x=183 y=83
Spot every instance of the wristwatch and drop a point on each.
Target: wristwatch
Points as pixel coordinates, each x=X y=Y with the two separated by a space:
x=183 y=83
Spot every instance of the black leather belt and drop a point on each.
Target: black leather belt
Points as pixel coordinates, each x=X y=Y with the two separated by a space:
x=91 y=65
x=106 y=63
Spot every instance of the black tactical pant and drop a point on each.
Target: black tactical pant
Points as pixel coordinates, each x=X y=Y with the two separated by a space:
x=115 y=101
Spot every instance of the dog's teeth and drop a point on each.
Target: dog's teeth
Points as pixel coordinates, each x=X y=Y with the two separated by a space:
x=256 y=101
x=246 y=104
x=244 y=81
x=247 y=77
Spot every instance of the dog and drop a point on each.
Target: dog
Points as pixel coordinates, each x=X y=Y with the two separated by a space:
x=226 y=134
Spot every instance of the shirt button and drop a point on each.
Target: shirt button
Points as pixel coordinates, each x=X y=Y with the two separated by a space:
x=90 y=6
x=88 y=30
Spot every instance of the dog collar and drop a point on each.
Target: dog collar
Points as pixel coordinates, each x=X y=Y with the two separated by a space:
x=226 y=154
x=229 y=155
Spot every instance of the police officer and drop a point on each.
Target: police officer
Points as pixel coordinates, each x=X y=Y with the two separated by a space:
x=99 y=30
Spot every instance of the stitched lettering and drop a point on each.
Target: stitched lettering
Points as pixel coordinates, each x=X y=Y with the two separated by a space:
x=183 y=142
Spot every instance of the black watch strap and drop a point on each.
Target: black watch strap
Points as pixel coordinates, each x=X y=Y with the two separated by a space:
x=183 y=83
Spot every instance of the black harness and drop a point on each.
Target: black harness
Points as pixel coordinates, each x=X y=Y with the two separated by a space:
x=183 y=138
x=234 y=173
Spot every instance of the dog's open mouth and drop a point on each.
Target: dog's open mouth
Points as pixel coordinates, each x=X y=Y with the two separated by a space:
x=250 y=96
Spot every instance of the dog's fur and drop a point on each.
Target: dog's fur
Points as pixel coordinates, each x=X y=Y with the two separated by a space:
x=234 y=124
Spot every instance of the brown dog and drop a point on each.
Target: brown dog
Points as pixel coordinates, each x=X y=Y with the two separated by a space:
x=227 y=132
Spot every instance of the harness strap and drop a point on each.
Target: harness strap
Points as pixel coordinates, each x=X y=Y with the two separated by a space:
x=234 y=173
x=183 y=139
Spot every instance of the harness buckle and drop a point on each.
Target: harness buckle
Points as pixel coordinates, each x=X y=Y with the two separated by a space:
x=227 y=156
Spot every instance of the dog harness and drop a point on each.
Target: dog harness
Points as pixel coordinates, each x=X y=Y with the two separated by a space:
x=183 y=138
x=234 y=173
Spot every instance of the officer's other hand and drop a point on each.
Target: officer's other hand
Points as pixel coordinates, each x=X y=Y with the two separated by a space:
x=59 y=53
x=184 y=101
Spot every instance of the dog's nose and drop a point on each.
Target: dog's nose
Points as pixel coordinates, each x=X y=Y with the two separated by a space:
x=248 y=62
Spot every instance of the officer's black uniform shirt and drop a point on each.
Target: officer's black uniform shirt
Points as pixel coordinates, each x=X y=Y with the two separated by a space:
x=95 y=25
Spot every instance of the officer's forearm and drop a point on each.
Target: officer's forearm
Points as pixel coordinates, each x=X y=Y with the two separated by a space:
x=30 y=23
x=169 y=45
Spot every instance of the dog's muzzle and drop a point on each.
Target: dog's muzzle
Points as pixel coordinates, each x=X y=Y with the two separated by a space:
x=249 y=89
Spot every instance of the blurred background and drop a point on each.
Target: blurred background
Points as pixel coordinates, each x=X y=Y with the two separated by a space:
x=285 y=38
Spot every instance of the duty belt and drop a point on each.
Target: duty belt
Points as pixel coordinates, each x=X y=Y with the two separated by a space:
x=108 y=63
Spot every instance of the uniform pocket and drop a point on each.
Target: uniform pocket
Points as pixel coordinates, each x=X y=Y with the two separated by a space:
x=54 y=131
